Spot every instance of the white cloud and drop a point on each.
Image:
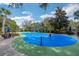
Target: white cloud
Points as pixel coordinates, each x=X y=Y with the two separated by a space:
x=71 y=8
x=53 y=12
x=23 y=17
x=36 y=21
x=27 y=12
x=46 y=15
x=75 y=20
x=20 y=19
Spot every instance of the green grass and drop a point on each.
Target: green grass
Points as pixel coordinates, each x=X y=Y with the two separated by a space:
x=33 y=50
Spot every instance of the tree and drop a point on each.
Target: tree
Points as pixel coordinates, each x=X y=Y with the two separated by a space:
x=48 y=24
x=13 y=25
x=43 y=5
x=76 y=14
x=1 y=19
x=4 y=13
x=27 y=25
x=61 y=22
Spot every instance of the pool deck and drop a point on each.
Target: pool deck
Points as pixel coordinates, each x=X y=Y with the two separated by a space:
x=6 y=49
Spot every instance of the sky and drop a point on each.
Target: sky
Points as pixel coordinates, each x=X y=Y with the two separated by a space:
x=32 y=11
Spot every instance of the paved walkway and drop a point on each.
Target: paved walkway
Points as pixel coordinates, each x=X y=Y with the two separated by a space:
x=6 y=49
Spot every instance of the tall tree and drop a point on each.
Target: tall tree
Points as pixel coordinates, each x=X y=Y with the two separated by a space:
x=61 y=21
x=4 y=13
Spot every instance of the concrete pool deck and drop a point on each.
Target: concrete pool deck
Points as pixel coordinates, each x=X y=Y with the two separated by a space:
x=6 y=49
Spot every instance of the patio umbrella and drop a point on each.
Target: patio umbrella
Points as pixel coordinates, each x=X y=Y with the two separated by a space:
x=8 y=29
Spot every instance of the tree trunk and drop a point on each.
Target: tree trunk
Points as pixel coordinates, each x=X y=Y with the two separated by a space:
x=3 y=25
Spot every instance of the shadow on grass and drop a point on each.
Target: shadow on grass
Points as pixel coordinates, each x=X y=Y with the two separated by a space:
x=33 y=50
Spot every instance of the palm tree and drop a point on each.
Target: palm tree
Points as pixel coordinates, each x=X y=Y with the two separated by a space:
x=15 y=5
x=4 y=13
x=43 y=6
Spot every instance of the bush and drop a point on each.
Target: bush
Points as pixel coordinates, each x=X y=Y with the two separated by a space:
x=78 y=30
x=69 y=32
x=15 y=34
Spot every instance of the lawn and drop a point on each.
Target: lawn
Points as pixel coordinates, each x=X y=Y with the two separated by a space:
x=33 y=50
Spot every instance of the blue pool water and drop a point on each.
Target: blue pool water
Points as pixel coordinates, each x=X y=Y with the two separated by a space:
x=43 y=39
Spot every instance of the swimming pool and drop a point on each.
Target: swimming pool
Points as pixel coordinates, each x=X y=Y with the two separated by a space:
x=44 y=39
